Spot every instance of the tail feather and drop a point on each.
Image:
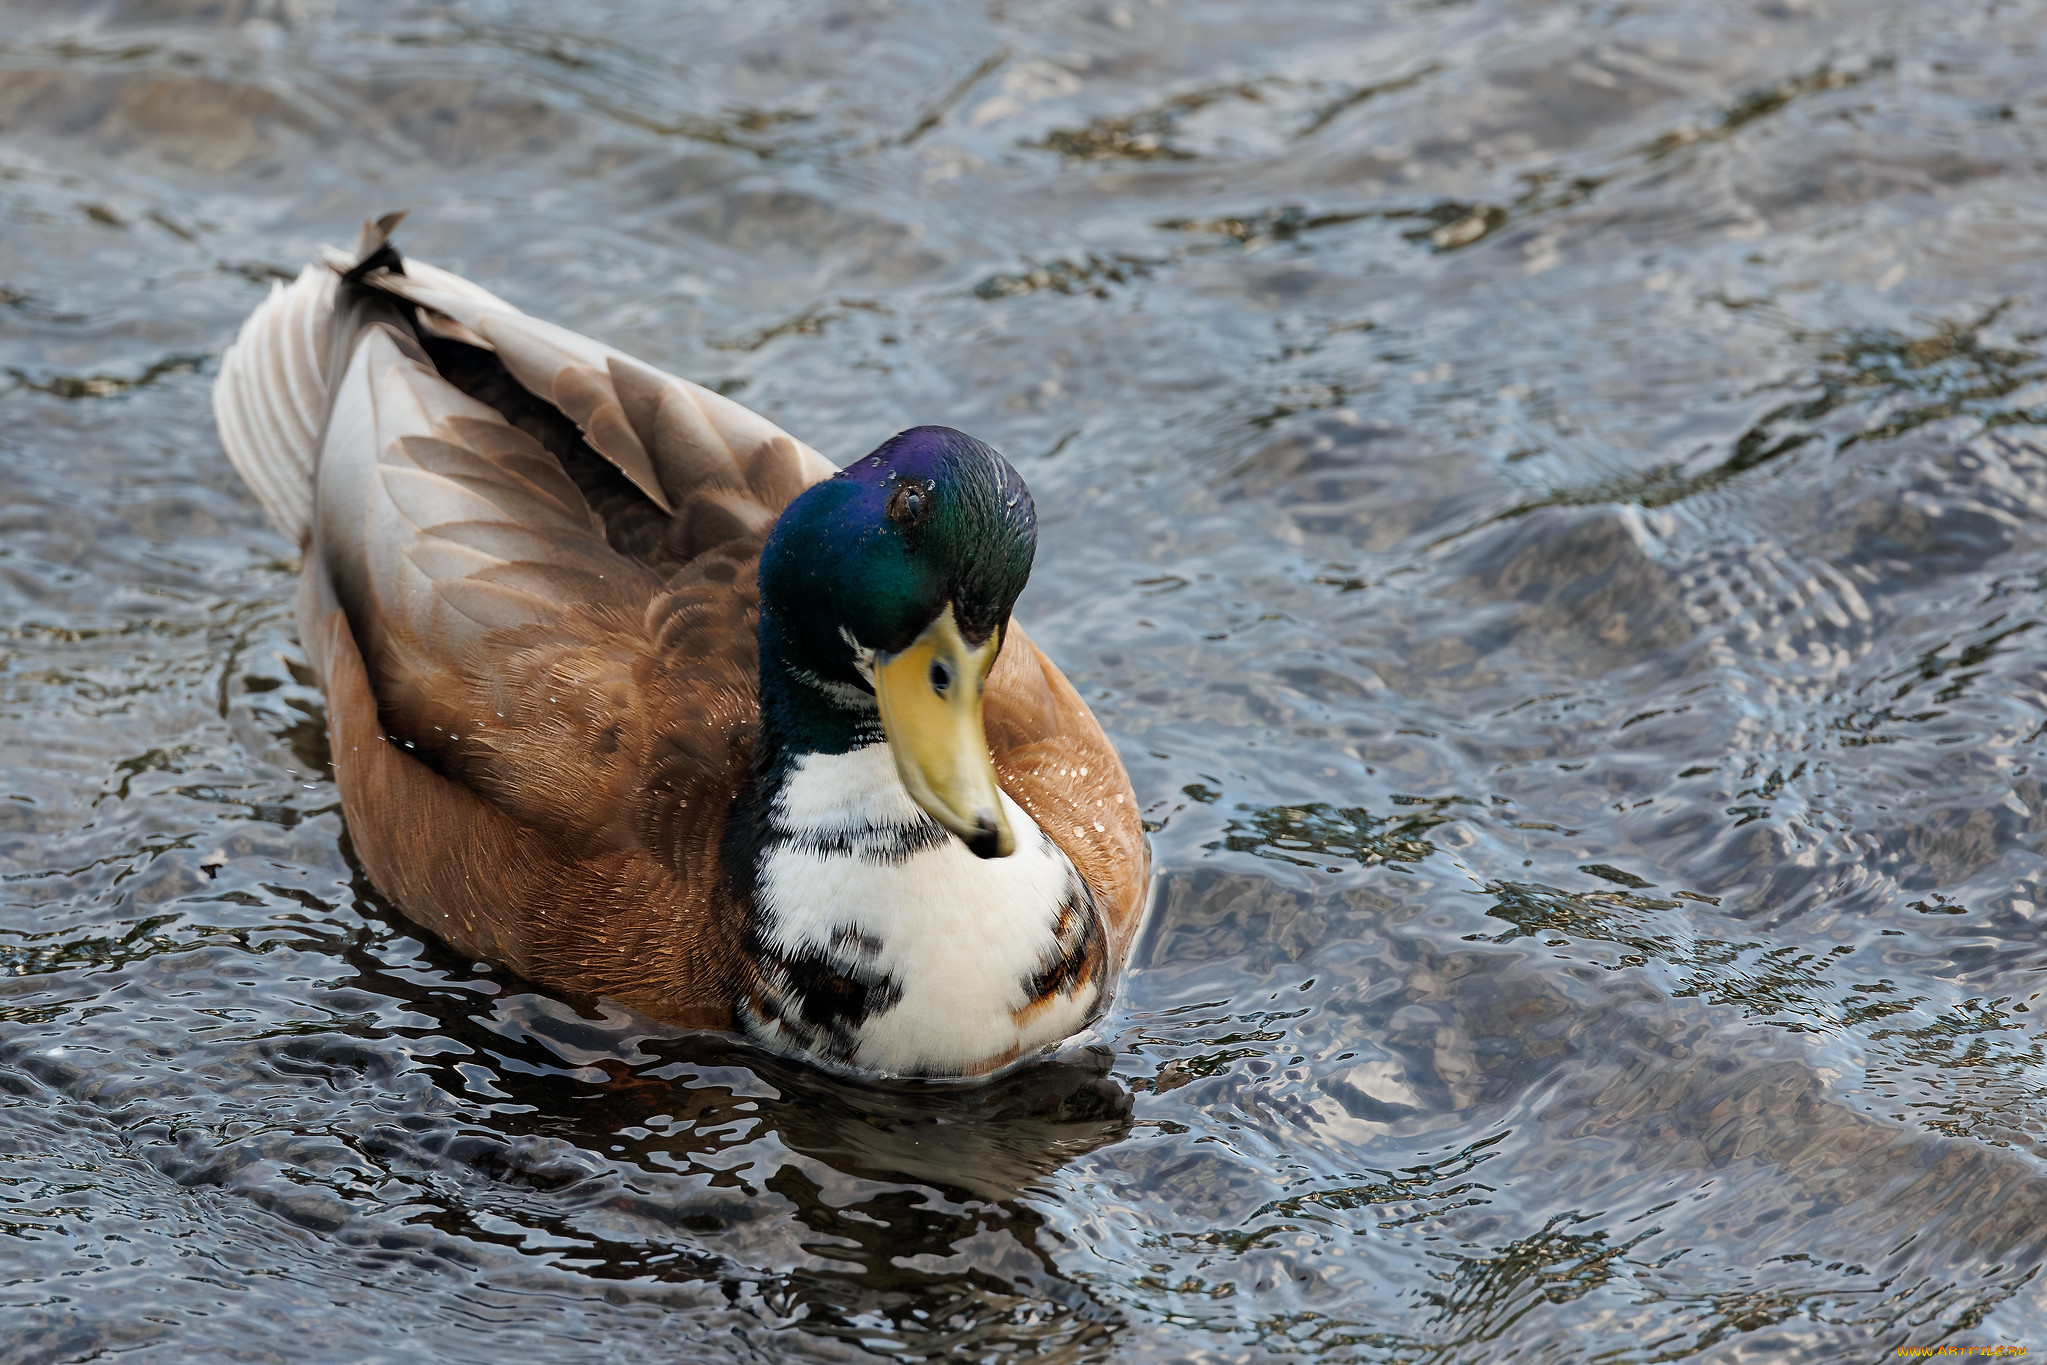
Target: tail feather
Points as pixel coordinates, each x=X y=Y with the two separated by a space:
x=270 y=401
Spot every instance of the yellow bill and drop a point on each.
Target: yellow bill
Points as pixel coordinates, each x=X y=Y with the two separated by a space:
x=930 y=695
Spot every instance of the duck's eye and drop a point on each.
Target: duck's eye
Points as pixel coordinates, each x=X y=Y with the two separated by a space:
x=906 y=505
x=941 y=676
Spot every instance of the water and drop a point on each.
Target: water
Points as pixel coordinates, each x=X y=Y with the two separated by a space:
x=1547 y=498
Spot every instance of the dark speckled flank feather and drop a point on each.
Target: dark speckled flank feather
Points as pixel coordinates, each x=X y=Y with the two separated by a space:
x=821 y=996
x=530 y=594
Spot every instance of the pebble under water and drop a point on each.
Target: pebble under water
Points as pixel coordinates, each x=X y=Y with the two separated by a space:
x=1550 y=500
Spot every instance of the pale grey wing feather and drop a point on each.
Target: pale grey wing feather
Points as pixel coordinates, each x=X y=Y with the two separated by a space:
x=507 y=643
x=270 y=399
x=675 y=440
x=442 y=525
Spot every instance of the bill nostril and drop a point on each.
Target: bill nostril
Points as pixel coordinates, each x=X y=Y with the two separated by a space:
x=941 y=676
x=987 y=841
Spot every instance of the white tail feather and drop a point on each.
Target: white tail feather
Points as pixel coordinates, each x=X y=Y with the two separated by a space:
x=270 y=401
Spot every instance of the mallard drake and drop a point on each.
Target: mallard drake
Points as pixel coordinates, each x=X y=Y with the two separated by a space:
x=638 y=696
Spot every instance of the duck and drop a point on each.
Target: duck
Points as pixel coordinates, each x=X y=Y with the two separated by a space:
x=635 y=695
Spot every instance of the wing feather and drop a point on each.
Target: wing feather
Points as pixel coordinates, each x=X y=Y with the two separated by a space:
x=507 y=642
x=670 y=437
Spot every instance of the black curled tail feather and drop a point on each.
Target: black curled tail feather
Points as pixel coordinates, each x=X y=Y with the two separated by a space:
x=373 y=249
x=359 y=305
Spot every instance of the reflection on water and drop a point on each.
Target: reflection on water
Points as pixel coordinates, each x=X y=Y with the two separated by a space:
x=1547 y=499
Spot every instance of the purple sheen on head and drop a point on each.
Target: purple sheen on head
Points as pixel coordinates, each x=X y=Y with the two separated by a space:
x=926 y=453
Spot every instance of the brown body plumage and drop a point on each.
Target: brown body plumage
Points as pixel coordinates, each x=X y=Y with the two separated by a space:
x=530 y=598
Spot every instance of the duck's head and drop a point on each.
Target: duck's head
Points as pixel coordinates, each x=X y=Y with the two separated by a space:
x=885 y=593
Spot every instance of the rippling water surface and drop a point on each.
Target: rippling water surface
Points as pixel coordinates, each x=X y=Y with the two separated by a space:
x=1549 y=499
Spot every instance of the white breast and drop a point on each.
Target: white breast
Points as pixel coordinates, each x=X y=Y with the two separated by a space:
x=856 y=873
